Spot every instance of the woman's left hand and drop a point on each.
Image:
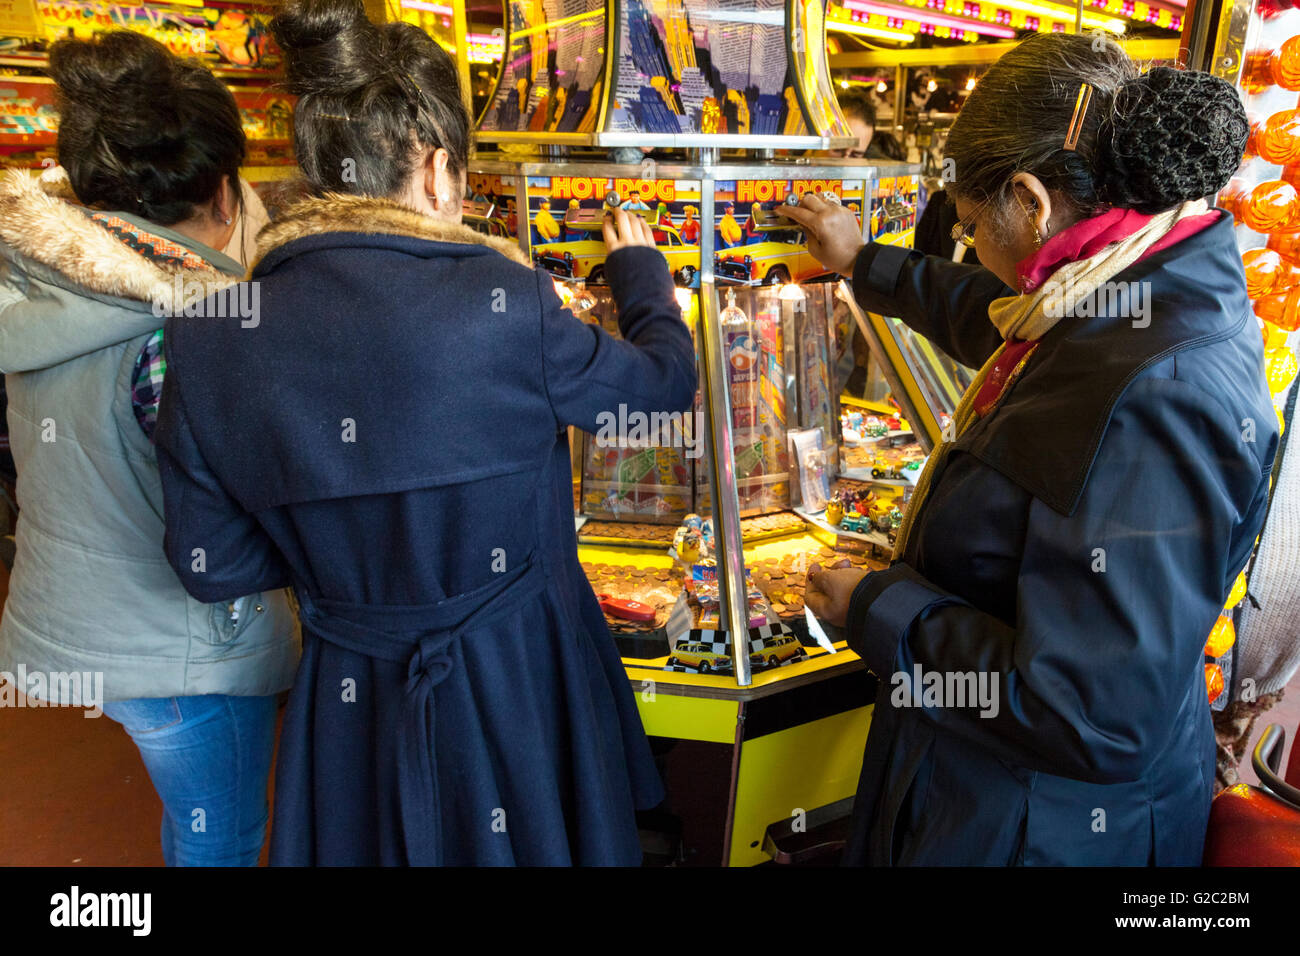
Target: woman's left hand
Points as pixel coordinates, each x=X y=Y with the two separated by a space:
x=828 y=592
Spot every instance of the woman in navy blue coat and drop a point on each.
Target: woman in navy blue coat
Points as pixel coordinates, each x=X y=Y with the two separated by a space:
x=381 y=424
x=1039 y=636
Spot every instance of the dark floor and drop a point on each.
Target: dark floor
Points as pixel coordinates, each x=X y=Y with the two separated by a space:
x=76 y=793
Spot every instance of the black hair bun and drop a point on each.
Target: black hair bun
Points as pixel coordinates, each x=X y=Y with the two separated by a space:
x=141 y=129
x=118 y=64
x=123 y=86
x=331 y=46
x=1174 y=136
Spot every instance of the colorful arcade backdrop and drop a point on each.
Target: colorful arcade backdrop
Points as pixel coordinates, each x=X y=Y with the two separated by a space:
x=663 y=68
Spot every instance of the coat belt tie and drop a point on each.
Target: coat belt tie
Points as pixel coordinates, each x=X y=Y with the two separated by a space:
x=421 y=636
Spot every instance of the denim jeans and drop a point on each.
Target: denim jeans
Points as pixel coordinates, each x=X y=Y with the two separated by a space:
x=208 y=758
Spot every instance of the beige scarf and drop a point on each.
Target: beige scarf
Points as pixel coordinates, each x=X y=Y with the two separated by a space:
x=1033 y=315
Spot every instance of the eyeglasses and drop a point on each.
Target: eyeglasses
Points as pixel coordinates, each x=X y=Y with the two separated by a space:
x=964 y=230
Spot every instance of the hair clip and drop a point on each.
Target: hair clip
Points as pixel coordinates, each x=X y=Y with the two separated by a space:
x=424 y=101
x=335 y=116
x=1075 y=128
x=426 y=107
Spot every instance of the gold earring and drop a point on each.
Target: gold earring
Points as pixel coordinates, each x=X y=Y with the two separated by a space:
x=1038 y=238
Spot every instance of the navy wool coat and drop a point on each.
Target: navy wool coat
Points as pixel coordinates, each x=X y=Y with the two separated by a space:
x=388 y=437
x=1075 y=549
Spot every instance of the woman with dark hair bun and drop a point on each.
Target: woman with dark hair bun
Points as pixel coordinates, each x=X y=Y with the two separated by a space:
x=90 y=262
x=1073 y=538
x=390 y=439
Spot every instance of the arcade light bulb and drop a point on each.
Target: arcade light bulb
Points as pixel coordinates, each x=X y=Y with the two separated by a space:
x=1270 y=206
x=1285 y=64
x=1279 y=368
x=790 y=292
x=970 y=83
x=1281 y=309
x=1263 y=269
x=1278 y=140
x=932 y=86
x=1237 y=593
x=1213 y=681
x=1286 y=244
x=1222 y=636
x=882 y=87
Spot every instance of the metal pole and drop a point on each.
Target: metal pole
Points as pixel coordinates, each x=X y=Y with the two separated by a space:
x=460 y=31
x=732 y=598
x=900 y=104
x=1078 y=16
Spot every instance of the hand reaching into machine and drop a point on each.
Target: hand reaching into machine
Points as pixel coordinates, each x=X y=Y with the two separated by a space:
x=623 y=228
x=834 y=233
x=828 y=592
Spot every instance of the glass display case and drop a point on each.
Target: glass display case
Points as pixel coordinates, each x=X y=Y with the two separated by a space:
x=697 y=530
x=747 y=284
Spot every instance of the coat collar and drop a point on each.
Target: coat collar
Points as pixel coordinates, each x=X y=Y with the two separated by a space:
x=41 y=222
x=337 y=212
x=1047 y=430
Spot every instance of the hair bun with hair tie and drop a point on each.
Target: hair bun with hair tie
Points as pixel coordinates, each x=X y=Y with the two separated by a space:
x=1173 y=136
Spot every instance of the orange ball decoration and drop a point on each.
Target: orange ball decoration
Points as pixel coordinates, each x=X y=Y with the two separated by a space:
x=1270 y=206
x=1278 y=141
x=1263 y=269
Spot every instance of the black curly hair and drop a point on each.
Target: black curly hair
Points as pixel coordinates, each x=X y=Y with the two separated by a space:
x=1149 y=141
x=142 y=130
x=372 y=99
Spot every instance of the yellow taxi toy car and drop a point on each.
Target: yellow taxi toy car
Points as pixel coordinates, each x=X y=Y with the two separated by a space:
x=777 y=648
x=701 y=656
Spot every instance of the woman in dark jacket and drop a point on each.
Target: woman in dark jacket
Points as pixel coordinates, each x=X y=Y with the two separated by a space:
x=389 y=438
x=1039 y=636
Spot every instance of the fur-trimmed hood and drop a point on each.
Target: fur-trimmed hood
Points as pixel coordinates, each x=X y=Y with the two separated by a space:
x=337 y=212
x=68 y=286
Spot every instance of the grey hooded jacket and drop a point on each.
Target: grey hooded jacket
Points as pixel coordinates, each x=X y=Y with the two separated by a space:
x=91 y=589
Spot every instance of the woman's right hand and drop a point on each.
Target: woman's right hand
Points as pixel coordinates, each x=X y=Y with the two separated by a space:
x=829 y=592
x=623 y=228
x=834 y=233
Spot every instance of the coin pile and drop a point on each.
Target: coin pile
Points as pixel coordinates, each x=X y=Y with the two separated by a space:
x=657 y=587
x=850 y=484
x=783 y=580
x=763 y=525
x=631 y=530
